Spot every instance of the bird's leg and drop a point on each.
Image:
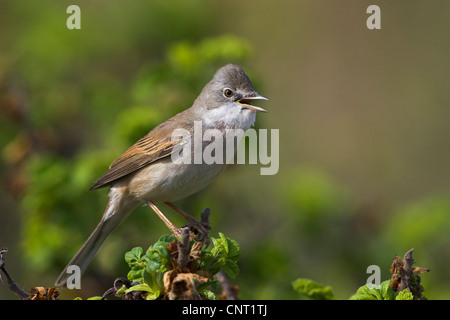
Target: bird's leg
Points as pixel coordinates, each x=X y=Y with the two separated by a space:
x=201 y=227
x=175 y=230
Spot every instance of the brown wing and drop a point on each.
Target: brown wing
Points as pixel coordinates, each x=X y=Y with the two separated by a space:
x=155 y=145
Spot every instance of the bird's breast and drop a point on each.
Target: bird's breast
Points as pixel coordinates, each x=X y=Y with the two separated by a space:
x=165 y=180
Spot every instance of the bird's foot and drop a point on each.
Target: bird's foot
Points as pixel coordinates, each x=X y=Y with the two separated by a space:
x=201 y=228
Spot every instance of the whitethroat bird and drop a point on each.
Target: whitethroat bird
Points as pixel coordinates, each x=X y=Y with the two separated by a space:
x=145 y=173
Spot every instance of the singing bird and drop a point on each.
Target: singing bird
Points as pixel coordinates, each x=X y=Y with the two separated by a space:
x=146 y=172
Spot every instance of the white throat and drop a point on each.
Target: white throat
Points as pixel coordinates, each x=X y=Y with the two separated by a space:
x=230 y=115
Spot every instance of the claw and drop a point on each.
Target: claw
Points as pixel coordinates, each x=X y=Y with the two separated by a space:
x=201 y=230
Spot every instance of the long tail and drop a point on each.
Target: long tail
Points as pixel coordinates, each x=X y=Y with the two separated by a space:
x=84 y=256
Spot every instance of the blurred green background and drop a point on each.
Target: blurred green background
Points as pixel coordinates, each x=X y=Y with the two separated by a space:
x=364 y=126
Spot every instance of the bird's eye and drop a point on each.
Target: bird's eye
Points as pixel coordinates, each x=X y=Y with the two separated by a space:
x=227 y=92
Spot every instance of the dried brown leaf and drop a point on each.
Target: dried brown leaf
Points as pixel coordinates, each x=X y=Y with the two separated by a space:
x=43 y=293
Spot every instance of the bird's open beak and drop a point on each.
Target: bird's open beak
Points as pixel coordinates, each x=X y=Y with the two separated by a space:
x=247 y=103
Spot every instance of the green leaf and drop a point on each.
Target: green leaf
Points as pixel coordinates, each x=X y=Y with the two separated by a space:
x=209 y=294
x=234 y=250
x=148 y=268
x=386 y=291
x=404 y=295
x=225 y=254
x=136 y=274
x=366 y=293
x=155 y=281
x=134 y=255
x=231 y=268
x=312 y=289
x=121 y=291
x=137 y=262
x=372 y=292
x=220 y=246
x=152 y=294
x=154 y=262
x=139 y=287
x=167 y=238
x=158 y=255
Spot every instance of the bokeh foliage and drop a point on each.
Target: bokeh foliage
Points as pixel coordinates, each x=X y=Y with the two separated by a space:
x=72 y=101
x=81 y=101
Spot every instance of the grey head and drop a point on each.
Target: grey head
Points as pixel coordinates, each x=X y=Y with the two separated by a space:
x=230 y=84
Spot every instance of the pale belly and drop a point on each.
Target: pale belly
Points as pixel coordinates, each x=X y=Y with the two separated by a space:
x=165 y=181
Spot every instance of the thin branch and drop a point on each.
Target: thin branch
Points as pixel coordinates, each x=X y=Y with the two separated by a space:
x=204 y=220
x=183 y=248
x=204 y=217
x=11 y=283
x=227 y=291
x=406 y=275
